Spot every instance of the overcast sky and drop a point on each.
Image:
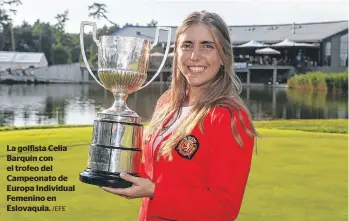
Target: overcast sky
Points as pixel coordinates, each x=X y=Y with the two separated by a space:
x=172 y=12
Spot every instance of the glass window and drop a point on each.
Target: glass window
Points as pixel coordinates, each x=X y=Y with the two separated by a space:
x=344 y=50
x=327 y=54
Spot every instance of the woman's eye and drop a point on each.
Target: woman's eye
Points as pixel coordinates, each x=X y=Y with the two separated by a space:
x=185 y=46
x=208 y=46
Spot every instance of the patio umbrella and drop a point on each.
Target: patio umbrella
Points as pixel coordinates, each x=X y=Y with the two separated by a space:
x=267 y=51
x=285 y=43
x=252 y=44
x=289 y=43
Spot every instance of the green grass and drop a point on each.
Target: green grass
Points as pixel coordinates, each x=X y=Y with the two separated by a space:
x=327 y=126
x=323 y=125
x=298 y=176
x=295 y=176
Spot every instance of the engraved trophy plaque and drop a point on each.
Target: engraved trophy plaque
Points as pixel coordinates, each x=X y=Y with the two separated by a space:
x=117 y=131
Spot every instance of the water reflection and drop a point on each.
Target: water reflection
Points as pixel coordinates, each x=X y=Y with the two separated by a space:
x=22 y=105
x=282 y=103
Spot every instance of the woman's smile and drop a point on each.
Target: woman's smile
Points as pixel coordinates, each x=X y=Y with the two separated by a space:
x=197 y=69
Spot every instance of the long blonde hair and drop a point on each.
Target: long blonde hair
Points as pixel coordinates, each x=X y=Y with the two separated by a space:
x=223 y=90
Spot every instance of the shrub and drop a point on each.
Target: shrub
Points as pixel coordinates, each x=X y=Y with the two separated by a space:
x=320 y=81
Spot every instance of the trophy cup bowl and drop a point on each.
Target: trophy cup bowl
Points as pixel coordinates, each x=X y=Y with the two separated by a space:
x=117 y=132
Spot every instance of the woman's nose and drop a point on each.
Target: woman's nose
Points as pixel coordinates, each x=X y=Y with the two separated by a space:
x=195 y=55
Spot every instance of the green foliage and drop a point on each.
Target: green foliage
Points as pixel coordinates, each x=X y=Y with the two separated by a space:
x=25 y=38
x=98 y=11
x=93 y=55
x=8 y=9
x=58 y=46
x=105 y=30
x=157 y=48
x=152 y=23
x=320 y=81
x=60 y=54
x=61 y=21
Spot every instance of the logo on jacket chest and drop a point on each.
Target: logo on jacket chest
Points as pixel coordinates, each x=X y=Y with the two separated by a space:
x=188 y=147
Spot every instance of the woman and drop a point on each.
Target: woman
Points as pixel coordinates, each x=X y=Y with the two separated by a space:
x=198 y=144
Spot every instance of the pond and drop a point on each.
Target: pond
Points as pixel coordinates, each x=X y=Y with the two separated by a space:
x=27 y=105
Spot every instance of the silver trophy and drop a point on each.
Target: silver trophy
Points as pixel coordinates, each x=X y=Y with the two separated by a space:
x=117 y=131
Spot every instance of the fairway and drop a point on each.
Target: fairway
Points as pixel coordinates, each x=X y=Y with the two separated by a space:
x=295 y=176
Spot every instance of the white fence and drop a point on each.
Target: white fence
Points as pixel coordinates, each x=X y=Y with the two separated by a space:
x=62 y=73
x=66 y=73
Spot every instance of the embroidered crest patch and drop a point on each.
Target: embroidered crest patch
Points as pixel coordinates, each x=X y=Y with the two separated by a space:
x=187 y=147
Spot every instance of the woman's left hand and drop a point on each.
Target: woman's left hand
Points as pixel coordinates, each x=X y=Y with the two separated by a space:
x=142 y=187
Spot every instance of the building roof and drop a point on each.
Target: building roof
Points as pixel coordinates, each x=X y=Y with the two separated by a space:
x=300 y=32
x=21 y=57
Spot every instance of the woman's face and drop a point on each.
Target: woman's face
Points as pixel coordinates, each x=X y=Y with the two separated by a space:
x=198 y=57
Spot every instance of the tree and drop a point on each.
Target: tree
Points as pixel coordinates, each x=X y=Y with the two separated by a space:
x=105 y=30
x=128 y=24
x=61 y=20
x=59 y=27
x=6 y=30
x=5 y=17
x=43 y=36
x=63 y=45
x=60 y=54
x=98 y=10
x=25 y=41
x=93 y=55
x=152 y=23
x=59 y=46
x=74 y=47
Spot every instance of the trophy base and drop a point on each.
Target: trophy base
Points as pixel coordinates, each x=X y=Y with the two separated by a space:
x=104 y=179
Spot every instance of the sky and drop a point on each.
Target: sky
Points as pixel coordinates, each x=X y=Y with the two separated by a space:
x=172 y=12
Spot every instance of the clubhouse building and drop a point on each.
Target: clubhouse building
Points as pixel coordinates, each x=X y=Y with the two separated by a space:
x=269 y=54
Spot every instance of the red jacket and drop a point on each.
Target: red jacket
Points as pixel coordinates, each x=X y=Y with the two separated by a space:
x=207 y=177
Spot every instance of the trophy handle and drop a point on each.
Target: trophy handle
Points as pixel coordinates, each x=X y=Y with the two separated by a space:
x=166 y=51
x=94 y=37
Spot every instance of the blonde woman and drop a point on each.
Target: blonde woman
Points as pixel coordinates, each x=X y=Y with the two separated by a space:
x=198 y=145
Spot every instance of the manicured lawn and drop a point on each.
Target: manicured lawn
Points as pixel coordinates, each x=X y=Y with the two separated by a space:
x=328 y=125
x=296 y=175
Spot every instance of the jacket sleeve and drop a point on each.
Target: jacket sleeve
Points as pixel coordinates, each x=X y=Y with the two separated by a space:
x=229 y=166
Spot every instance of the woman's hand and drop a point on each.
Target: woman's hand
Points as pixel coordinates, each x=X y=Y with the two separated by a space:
x=142 y=187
